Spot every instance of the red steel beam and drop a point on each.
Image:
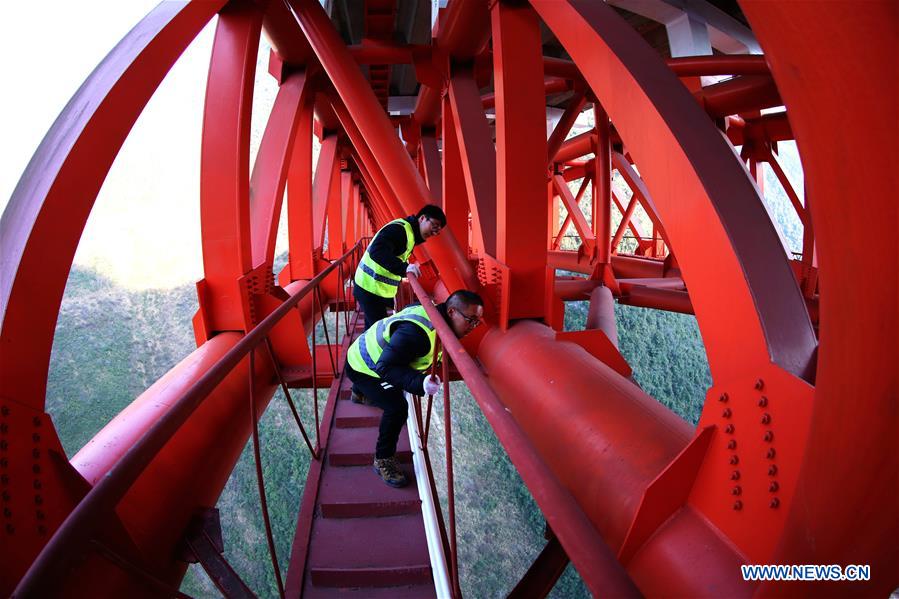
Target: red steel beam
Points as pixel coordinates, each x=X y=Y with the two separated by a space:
x=569 y=116
x=462 y=34
x=455 y=193
x=375 y=128
x=49 y=207
x=850 y=466
x=328 y=160
x=740 y=94
x=602 y=184
x=551 y=85
x=576 y=147
x=301 y=238
x=430 y=156
x=224 y=167
x=520 y=157
x=575 y=214
x=641 y=192
x=478 y=158
x=270 y=171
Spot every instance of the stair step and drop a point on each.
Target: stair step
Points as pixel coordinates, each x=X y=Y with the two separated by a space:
x=370 y=577
x=418 y=591
x=359 y=492
x=356 y=446
x=353 y=415
x=356 y=552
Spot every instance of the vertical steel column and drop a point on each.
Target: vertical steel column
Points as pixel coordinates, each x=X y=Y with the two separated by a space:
x=521 y=156
x=430 y=159
x=602 y=185
x=478 y=158
x=335 y=209
x=270 y=171
x=454 y=190
x=299 y=197
x=321 y=187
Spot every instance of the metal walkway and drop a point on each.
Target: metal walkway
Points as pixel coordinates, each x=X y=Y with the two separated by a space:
x=356 y=536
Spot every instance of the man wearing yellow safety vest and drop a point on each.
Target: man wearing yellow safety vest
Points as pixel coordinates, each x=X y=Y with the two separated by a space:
x=393 y=356
x=385 y=262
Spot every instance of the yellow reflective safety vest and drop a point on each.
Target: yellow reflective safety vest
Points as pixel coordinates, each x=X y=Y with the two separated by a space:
x=366 y=350
x=376 y=279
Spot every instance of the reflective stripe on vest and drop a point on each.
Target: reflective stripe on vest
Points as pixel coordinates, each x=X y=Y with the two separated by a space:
x=365 y=351
x=376 y=279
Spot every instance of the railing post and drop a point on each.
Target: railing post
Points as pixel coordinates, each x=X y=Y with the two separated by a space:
x=450 y=486
x=263 y=502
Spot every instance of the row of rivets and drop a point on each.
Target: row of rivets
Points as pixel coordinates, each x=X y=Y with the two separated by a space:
x=736 y=490
x=768 y=437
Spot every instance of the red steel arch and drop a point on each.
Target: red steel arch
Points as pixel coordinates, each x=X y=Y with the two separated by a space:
x=796 y=438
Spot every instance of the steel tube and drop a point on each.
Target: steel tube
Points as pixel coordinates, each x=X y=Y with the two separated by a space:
x=601 y=313
x=592 y=557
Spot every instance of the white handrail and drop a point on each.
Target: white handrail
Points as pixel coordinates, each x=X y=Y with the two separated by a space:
x=428 y=510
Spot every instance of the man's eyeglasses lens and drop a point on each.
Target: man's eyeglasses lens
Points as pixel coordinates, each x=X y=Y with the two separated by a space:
x=471 y=320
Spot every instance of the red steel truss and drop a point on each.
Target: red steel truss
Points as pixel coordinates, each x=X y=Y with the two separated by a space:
x=793 y=460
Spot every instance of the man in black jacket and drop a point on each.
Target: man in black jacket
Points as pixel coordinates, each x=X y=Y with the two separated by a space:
x=394 y=356
x=385 y=262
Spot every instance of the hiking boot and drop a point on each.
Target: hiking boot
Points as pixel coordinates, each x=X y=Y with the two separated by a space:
x=389 y=471
x=359 y=398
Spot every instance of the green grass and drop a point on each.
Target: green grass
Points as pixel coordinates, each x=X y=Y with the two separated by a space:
x=665 y=352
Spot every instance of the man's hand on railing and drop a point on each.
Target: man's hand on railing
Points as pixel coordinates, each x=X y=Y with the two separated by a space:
x=413 y=269
x=432 y=385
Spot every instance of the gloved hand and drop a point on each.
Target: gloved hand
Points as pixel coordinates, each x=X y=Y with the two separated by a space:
x=432 y=384
x=414 y=269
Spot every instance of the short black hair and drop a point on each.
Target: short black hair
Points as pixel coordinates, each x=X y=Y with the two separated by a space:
x=463 y=297
x=432 y=211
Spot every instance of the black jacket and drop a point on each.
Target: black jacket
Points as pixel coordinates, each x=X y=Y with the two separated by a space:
x=390 y=242
x=407 y=343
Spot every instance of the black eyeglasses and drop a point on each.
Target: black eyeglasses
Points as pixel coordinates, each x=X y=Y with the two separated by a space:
x=472 y=321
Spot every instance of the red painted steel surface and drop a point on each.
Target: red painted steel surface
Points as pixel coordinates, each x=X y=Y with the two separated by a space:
x=796 y=439
x=846 y=495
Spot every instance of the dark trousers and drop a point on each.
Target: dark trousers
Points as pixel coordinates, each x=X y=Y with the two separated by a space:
x=390 y=399
x=374 y=307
